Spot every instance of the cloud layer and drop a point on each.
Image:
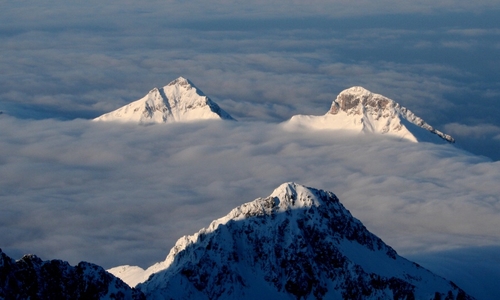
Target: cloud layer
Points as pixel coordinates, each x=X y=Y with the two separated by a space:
x=259 y=61
x=79 y=190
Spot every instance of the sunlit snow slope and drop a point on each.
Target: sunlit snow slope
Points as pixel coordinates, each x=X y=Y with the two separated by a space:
x=179 y=101
x=359 y=110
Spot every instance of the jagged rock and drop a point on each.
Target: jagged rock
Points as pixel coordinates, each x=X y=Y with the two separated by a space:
x=32 y=278
x=297 y=243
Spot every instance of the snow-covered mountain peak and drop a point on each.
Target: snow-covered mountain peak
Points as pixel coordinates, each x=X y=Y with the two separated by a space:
x=356 y=99
x=287 y=202
x=291 y=195
x=285 y=198
x=299 y=242
x=181 y=81
x=356 y=109
x=356 y=90
x=178 y=101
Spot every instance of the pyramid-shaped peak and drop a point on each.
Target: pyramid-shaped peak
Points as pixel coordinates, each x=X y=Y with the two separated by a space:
x=287 y=188
x=304 y=252
x=178 y=101
x=182 y=82
x=287 y=197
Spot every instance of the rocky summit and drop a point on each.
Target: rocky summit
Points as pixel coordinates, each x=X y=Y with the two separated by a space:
x=358 y=110
x=298 y=243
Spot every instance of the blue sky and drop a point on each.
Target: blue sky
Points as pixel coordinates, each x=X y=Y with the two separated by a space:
x=65 y=63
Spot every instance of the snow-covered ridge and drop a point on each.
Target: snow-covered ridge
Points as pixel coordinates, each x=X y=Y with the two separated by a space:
x=178 y=101
x=284 y=198
x=299 y=242
x=357 y=109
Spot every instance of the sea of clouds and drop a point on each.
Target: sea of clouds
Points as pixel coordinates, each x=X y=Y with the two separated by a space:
x=119 y=194
x=261 y=61
x=122 y=194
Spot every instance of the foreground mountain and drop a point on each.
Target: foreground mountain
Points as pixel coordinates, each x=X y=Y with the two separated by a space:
x=298 y=243
x=357 y=109
x=32 y=278
x=178 y=101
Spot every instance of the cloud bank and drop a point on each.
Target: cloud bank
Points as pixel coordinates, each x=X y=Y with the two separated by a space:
x=78 y=190
x=260 y=61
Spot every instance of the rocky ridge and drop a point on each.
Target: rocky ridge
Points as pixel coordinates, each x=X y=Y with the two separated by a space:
x=32 y=278
x=357 y=109
x=298 y=243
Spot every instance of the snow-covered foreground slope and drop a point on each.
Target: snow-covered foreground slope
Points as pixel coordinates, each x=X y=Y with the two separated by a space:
x=178 y=101
x=359 y=110
x=32 y=278
x=299 y=242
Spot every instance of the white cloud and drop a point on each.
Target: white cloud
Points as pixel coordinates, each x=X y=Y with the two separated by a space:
x=464 y=45
x=79 y=190
x=477 y=131
x=475 y=31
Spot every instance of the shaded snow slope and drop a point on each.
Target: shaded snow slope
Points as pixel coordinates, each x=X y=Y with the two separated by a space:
x=359 y=110
x=299 y=242
x=132 y=275
x=32 y=278
x=179 y=101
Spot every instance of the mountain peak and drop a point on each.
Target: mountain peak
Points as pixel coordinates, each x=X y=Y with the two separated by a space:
x=299 y=242
x=182 y=82
x=356 y=99
x=178 y=101
x=291 y=195
x=359 y=110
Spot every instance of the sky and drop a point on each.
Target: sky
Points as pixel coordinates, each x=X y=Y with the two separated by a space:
x=76 y=190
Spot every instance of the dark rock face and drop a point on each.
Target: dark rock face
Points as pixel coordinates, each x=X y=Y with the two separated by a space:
x=349 y=101
x=32 y=278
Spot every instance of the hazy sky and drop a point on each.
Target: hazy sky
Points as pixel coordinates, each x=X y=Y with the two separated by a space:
x=76 y=190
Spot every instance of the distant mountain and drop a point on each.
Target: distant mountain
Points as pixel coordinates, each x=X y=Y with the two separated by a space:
x=32 y=278
x=359 y=110
x=178 y=101
x=298 y=243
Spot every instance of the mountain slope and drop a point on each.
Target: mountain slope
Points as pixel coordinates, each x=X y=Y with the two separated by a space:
x=32 y=278
x=357 y=109
x=178 y=101
x=297 y=243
